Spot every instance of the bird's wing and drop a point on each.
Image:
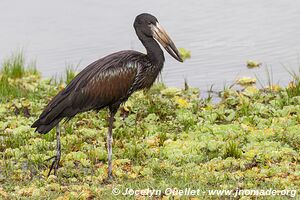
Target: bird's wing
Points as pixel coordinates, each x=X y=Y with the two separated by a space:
x=100 y=84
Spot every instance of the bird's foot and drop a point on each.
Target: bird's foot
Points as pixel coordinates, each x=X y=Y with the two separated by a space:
x=110 y=178
x=54 y=165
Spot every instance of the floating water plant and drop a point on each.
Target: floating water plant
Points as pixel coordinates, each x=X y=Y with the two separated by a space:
x=246 y=81
x=253 y=64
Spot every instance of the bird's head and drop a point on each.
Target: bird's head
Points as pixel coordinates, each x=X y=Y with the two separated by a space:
x=148 y=25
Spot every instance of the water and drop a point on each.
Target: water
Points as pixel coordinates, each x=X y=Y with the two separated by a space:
x=221 y=34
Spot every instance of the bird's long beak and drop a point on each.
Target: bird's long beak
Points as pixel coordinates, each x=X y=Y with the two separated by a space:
x=162 y=37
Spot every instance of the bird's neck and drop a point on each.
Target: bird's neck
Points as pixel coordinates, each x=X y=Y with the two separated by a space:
x=154 y=52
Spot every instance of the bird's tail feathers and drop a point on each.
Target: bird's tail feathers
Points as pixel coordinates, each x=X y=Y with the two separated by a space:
x=45 y=128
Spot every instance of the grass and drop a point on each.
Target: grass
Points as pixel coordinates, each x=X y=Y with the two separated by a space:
x=163 y=138
x=12 y=71
x=293 y=88
x=70 y=73
x=9 y=90
x=14 y=66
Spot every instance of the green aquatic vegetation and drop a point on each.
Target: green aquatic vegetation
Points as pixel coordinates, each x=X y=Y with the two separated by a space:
x=232 y=149
x=16 y=79
x=246 y=81
x=185 y=54
x=9 y=91
x=163 y=137
x=293 y=88
x=70 y=74
x=253 y=64
x=14 y=67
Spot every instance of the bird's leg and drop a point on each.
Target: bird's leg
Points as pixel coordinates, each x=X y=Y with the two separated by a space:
x=56 y=160
x=109 y=144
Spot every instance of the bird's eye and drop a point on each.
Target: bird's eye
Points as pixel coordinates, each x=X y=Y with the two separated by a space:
x=149 y=23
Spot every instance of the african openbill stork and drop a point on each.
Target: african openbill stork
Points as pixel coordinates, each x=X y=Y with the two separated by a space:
x=108 y=82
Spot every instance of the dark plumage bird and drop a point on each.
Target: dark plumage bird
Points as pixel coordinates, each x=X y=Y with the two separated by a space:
x=109 y=81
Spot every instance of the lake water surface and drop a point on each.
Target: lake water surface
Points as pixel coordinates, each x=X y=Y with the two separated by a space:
x=221 y=35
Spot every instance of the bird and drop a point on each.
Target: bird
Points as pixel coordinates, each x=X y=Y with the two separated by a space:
x=109 y=82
